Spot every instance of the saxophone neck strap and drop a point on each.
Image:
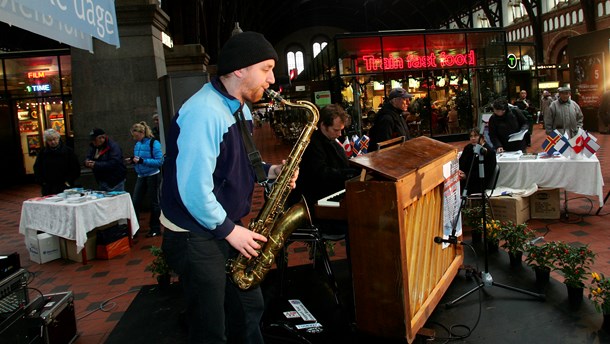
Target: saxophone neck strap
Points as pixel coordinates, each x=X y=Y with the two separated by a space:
x=253 y=154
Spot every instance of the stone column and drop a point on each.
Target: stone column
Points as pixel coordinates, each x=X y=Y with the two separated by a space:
x=116 y=87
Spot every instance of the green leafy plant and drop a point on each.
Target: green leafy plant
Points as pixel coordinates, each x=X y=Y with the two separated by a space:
x=515 y=237
x=158 y=266
x=574 y=263
x=599 y=292
x=542 y=256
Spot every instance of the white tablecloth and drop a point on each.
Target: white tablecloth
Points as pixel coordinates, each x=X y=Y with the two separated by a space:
x=73 y=220
x=579 y=176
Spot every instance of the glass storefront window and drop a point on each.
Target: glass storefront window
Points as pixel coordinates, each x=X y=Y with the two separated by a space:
x=65 y=63
x=33 y=76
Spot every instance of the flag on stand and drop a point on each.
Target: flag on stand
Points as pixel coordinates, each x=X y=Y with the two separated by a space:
x=576 y=142
x=355 y=142
x=563 y=144
x=364 y=144
x=347 y=147
x=549 y=143
x=590 y=144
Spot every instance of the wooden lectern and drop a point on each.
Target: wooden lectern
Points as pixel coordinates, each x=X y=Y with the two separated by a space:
x=394 y=212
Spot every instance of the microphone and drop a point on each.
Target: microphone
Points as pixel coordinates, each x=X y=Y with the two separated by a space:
x=480 y=150
x=451 y=240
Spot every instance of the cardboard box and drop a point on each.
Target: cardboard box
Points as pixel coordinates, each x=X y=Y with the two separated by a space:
x=113 y=249
x=68 y=248
x=514 y=208
x=43 y=247
x=544 y=204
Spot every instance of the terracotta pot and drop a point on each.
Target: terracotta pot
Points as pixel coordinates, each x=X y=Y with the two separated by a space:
x=575 y=296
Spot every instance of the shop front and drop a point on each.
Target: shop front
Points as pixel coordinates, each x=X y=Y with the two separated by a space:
x=453 y=75
x=36 y=95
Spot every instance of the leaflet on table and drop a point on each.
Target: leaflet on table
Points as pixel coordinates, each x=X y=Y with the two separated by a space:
x=510 y=155
x=518 y=136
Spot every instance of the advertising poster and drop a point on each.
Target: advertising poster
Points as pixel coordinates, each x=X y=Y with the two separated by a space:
x=589 y=77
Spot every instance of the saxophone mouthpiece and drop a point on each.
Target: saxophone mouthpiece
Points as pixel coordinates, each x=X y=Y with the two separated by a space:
x=274 y=95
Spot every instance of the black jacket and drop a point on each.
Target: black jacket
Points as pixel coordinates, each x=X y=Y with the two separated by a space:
x=500 y=127
x=468 y=159
x=56 y=167
x=323 y=170
x=389 y=123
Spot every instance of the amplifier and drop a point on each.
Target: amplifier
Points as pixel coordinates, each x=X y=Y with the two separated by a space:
x=55 y=314
x=9 y=264
x=13 y=292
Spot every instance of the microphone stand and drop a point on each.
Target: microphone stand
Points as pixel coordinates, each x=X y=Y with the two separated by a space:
x=486 y=278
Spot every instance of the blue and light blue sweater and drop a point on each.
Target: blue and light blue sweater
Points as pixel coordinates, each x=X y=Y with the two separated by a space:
x=207 y=177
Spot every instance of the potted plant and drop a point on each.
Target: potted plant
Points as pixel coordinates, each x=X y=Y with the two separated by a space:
x=159 y=267
x=574 y=263
x=599 y=293
x=493 y=234
x=541 y=258
x=472 y=218
x=515 y=238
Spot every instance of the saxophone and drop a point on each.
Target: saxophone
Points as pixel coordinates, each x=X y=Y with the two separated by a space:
x=273 y=221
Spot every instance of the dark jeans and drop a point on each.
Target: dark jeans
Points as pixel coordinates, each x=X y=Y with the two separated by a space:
x=216 y=308
x=148 y=185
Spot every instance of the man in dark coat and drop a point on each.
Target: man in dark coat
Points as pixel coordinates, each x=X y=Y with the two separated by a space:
x=505 y=121
x=324 y=166
x=389 y=122
x=105 y=158
x=56 y=167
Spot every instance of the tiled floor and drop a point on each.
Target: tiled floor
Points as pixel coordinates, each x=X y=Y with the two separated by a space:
x=104 y=289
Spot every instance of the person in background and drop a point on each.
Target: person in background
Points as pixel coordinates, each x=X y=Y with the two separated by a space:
x=155 y=127
x=105 y=158
x=469 y=162
x=545 y=103
x=505 y=121
x=56 y=167
x=564 y=114
x=603 y=114
x=324 y=166
x=389 y=122
x=147 y=160
x=207 y=187
x=525 y=105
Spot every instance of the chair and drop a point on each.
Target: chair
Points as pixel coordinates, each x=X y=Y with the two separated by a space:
x=311 y=234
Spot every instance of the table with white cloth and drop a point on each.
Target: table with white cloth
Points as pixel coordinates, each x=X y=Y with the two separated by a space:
x=581 y=176
x=72 y=220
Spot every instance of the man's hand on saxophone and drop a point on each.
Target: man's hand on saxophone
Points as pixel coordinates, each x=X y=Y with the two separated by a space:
x=245 y=241
x=275 y=171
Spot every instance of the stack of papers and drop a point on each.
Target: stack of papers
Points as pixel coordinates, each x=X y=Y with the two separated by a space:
x=510 y=155
x=518 y=136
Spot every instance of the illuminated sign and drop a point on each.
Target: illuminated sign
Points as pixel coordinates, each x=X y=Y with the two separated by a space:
x=167 y=40
x=512 y=61
x=35 y=75
x=414 y=61
x=39 y=88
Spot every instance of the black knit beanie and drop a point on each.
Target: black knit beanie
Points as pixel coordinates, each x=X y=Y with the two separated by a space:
x=243 y=50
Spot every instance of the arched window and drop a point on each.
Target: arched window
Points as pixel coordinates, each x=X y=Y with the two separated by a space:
x=318 y=47
x=294 y=59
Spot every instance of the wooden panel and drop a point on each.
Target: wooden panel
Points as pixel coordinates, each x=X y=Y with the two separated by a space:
x=399 y=273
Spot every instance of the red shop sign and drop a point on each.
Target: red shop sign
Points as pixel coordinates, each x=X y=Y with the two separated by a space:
x=413 y=61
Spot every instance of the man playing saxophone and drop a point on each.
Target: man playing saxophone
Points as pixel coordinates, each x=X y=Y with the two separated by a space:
x=207 y=188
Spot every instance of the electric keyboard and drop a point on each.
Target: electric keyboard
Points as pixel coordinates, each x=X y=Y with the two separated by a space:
x=333 y=200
